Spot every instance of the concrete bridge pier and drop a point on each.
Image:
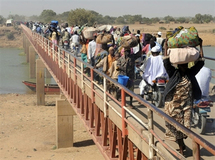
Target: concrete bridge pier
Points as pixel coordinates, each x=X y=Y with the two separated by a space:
x=40 y=81
x=26 y=48
x=32 y=63
x=64 y=125
x=24 y=39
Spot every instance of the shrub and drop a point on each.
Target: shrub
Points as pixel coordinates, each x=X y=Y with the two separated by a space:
x=171 y=29
x=10 y=36
x=213 y=30
x=162 y=28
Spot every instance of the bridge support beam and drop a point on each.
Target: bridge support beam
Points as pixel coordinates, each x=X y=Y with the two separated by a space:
x=40 y=81
x=32 y=64
x=64 y=125
x=26 y=49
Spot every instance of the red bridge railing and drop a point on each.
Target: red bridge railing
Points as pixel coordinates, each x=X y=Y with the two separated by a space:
x=119 y=132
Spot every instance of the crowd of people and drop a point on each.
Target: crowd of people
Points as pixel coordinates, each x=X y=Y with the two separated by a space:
x=151 y=50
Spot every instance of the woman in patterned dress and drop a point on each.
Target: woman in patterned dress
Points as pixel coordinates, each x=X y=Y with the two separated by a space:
x=179 y=94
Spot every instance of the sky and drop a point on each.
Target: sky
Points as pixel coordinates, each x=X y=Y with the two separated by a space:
x=115 y=8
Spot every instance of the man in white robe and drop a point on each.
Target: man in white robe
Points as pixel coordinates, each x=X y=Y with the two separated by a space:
x=153 y=68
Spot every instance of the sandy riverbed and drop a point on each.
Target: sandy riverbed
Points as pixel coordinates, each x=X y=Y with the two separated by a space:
x=28 y=131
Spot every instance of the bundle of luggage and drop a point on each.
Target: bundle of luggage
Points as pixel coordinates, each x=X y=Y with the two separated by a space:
x=182 y=44
x=107 y=28
x=129 y=41
x=104 y=38
x=89 y=32
x=54 y=24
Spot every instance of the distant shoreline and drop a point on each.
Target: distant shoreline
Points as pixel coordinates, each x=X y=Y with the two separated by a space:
x=205 y=31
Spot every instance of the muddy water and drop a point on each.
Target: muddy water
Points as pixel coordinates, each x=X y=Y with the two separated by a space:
x=13 y=70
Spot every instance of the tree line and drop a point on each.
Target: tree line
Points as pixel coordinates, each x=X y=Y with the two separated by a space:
x=82 y=16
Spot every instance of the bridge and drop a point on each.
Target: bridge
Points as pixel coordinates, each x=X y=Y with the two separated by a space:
x=118 y=131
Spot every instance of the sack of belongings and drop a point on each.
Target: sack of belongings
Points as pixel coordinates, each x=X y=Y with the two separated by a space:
x=183 y=55
x=104 y=38
x=64 y=25
x=89 y=32
x=129 y=41
x=183 y=37
x=106 y=28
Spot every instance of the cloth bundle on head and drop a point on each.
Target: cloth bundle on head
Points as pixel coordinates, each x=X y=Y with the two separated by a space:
x=156 y=48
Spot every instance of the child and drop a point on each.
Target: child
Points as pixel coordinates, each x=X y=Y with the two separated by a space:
x=113 y=73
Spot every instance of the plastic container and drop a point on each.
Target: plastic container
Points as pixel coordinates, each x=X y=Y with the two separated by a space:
x=123 y=79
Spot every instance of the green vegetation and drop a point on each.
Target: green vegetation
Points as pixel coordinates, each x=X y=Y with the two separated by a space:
x=2 y=20
x=22 y=54
x=10 y=36
x=213 y=30
x=162 y=28
x=82 y=16
x=54 y=147
x=47 y=15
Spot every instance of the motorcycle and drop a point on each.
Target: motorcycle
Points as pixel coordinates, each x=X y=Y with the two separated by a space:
x=199 y=114
x=138 y=64
x=154 y=93
x=75 y=50
x=66 y=44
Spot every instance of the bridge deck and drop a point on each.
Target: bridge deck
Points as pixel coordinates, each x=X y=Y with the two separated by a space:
x=110 y=132
x=141 y=112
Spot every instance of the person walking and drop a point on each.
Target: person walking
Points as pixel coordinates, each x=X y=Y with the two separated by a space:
x=126 y=66
x=92 y=50
x=179 y=94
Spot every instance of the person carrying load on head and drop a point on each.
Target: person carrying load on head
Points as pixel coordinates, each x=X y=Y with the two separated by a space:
x=179 y=94
x=54 y=36
x=125 y=66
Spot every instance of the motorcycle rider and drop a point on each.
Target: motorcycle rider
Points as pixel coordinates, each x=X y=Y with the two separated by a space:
x=65 y=37
x=75 y=41
x=154 y=68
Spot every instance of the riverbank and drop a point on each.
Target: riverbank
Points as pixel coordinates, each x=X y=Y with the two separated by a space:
x=28 y=131
x=205 y=32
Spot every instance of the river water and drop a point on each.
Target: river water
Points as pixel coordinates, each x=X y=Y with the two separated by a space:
x=14 y=69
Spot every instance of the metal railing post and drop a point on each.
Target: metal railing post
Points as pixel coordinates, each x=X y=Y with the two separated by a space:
x=196 y=151
x=49 y=48
x=123 y=113
x=151 y=137
x=105 y=96
x=68 y=69
x=82 y=76
x=92 y=85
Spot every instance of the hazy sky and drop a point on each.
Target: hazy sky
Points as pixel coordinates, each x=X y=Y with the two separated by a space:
x=146 y=8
